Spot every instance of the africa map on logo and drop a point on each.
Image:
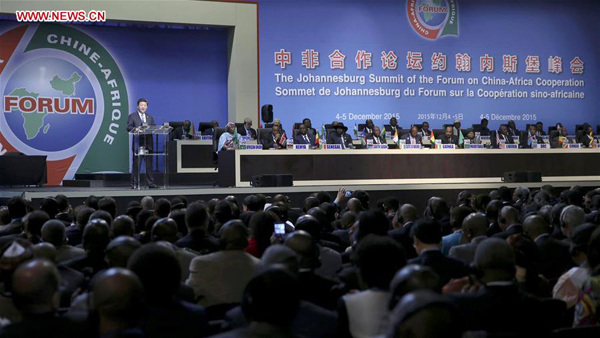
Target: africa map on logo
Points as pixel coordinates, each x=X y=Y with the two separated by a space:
x=430 y=17
x=33 y=122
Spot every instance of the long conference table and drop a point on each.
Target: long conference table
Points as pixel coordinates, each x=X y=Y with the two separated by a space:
x=406 y=166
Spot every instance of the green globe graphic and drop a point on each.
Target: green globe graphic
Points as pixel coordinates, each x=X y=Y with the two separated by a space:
x=432 y=18
x=52 y=78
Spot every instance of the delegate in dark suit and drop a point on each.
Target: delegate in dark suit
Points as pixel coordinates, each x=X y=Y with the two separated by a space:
x=449 y=139
x=447 y=268
x=409 y=138
x=134 y=121
x=244 y=131
x=527 y=143
x=339 y=136
x=304 y=139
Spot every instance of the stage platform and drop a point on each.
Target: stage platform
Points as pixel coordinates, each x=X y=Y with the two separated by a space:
x=407 y=193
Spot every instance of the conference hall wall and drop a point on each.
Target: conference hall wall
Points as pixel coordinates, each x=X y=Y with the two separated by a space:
x=99 y=71
x=431 y=60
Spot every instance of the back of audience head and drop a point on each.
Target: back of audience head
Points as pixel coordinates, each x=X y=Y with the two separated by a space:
x=305 y=246
x=408 y=213
x=109 y=205
x=504 y=194
x=281 y=255
x=122 y=226
x=474 y=225
x=426 y=233
x=323 y=197
x=251 y=203
x=103 y=215
x=593 y=252
x=570 y=218
x=158 y=270
x=35 y=287
x=535 y=226
x=50 y=206
x=458 y=215
x=53 y=232
x=95 y=237
x=309 y=224
x=437 y=208
x=268 y=299
x=120 y=249
x=411 y=278
x=425 y=314
x=82 y=215
x=118 y=299
x=234 y=236
x=162 y=208
x=164 y=229
x=147 y=203
x=262 y=225
x=507 y=217
x=196 y=217
x=372 y=222
x=34 y=223
x=580 y=240
x=63 y=203
x=363 y=197
x=480 y=202
x=178 y=216
x=377 y=259
x=521 y=194
x=4 y=216
x=92 y=202
x=309 y=203
x=495 y=258
x=44 y=250
x=354 y=205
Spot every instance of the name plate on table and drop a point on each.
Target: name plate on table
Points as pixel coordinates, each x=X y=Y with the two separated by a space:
x=411 y=146
x=251 y=146
x=574 y=145
x=509 y=146
x=301 y=146
x=206 y=138
x=448 y=146
x=379 y=146
x=545 y=138
x=475 y=146
x=333 y=146
x=486 y=140
x=543 y=146
x=516 y=139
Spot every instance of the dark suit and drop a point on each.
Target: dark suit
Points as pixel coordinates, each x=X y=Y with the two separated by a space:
x=299 y=139
x=198 y=241
x=585 y=140
x=447 y=268
x=499 y=309
x=513 y=229
x=242 y=131
x=466 y=252
x=380 y=138
x=269 y=143
x=452 y=139
x=506 y=138
x=180 y=134
x=13 y=228
x=554 y=257
x=525 y=141
x=344 y=139
x=403 y=236
x=484 y=131
x=145 y=141
x=418 y=138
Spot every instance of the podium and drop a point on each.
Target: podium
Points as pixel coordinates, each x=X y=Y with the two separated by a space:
x=149 y=143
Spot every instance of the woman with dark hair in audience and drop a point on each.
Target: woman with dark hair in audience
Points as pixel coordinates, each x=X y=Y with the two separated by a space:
x=262 y=225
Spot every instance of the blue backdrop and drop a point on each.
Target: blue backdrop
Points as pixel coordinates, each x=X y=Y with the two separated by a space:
x=566 y=29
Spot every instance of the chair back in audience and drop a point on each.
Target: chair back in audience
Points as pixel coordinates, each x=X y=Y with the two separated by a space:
x=203 y=126
x=174 y=125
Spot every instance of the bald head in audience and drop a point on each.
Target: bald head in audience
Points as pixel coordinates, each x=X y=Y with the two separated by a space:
x=474 y=225
x=507 y=217
x=496 y=260
x=234 y=236
x=118 y=299
x=165 y=229
x=35 y=287
x=535 y=226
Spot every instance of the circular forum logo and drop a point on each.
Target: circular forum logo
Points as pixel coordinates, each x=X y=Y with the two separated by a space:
x=63 y=96
x=49 y=104
x=432 y=19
